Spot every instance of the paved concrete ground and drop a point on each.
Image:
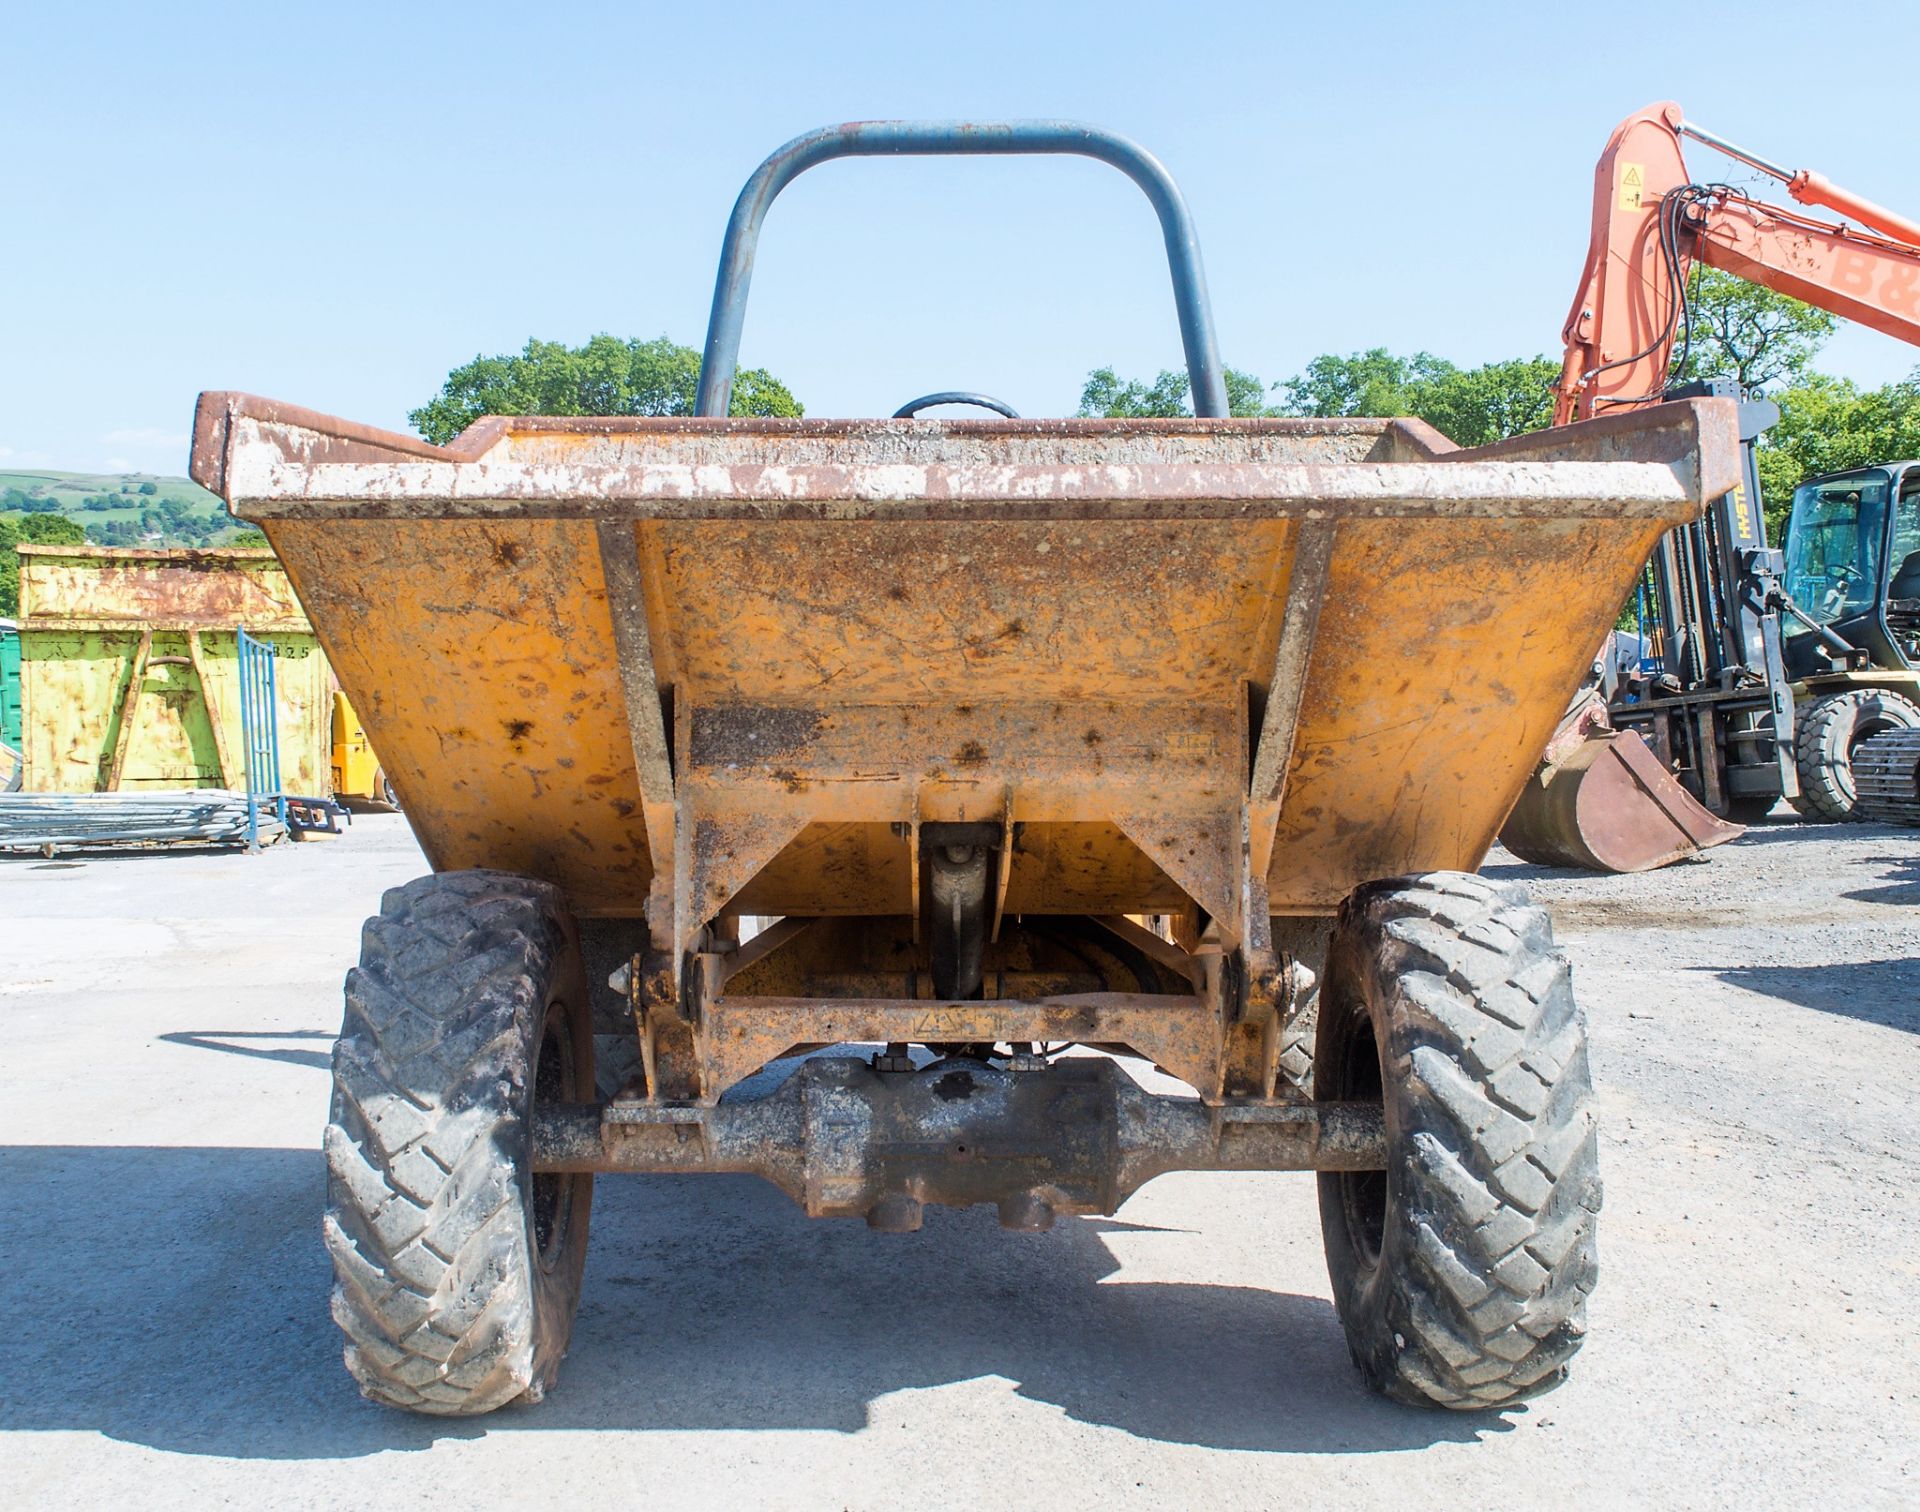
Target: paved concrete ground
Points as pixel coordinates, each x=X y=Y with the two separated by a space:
x=163 y=1326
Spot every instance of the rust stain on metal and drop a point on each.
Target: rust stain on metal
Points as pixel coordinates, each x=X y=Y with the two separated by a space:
x=172 y=588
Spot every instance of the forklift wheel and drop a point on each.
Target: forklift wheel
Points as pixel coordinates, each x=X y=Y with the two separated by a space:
x=1824 y=736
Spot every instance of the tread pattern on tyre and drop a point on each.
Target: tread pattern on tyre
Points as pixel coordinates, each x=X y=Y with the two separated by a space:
x=1489 y=1253
x=1304 y=940
x=1824 y=734
x=1296 y=1044
x=426 y=1216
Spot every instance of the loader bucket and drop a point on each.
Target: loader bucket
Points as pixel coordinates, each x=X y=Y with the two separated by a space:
x=734 y=665
x=1611 y=806
x=1601 y=800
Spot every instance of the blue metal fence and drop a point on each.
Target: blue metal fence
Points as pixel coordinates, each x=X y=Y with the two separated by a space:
x=260 y=733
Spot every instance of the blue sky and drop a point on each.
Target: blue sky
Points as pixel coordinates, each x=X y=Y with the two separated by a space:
x=334 y=204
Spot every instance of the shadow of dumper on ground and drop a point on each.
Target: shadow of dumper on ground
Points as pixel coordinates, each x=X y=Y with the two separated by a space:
x=176 y=1297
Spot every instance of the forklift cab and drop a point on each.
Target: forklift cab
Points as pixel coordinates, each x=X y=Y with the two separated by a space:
x=1853 y=563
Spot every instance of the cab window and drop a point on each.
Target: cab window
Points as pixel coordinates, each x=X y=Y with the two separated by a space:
x=1834 y=544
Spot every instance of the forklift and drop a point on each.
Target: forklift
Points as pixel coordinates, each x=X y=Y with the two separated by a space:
x=1709 y=690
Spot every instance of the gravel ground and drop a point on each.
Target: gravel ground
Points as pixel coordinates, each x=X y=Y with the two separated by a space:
x=1756 y=1028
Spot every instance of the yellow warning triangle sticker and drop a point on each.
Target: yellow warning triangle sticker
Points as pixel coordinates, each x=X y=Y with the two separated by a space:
x=1632 y=178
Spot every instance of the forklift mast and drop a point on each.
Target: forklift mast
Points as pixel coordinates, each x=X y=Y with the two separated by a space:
x=1710 y=693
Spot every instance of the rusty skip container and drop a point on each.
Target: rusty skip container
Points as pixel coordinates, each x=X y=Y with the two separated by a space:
x=129 y=670
x=959 y=704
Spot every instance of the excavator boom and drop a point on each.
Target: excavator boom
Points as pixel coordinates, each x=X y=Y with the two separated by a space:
x=1652 y=221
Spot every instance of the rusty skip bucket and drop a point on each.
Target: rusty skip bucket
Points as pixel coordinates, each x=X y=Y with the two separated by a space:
x=692 y=670
x=1187 y=659
x=1602 y=801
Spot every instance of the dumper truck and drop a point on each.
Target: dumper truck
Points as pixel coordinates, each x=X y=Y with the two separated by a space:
x=1039 y=753
x=357 y=773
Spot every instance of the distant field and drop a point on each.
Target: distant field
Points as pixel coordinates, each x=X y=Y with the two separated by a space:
x=70 y=490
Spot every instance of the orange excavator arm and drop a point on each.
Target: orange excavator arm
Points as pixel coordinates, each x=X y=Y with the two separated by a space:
x=1652 y=221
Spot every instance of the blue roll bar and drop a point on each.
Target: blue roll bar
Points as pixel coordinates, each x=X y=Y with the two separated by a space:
x=959 y=138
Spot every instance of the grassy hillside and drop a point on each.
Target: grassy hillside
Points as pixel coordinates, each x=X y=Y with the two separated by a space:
x=122 y=508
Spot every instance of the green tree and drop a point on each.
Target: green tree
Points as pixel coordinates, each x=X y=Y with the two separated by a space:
x=1374 y=382
x=1246 y=394
x=1742 y=330
x=1478 y=406
x=607 y=376
x=249 y=537
x=51 y=530
x=1470 y=406
x=1107 y=395
x=35 y=529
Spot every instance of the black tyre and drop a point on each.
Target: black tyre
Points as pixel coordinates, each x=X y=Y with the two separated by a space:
x=1461 y=1272
x=383 y=790
x=457 y=1270
x=1296 y=1044
x=1825 y=734
x=1750 y=808
x=1305 y=940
